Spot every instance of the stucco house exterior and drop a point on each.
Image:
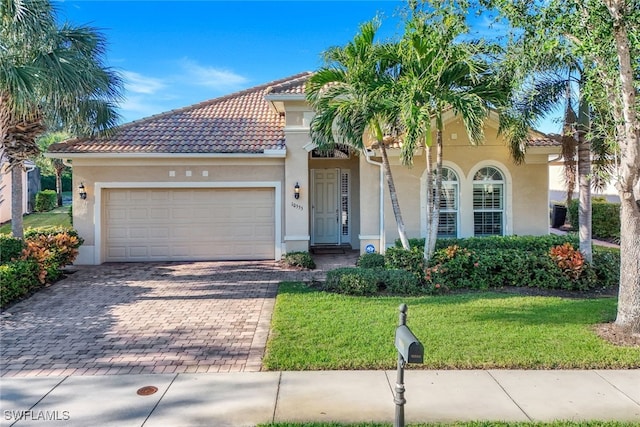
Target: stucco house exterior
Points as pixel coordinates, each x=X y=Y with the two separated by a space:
x=30 y=186
x=238 y=178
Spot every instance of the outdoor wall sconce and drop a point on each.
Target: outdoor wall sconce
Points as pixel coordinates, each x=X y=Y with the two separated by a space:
x=296 y=191
x=82 y=192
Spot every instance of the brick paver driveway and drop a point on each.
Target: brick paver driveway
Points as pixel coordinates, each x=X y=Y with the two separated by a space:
x=144 y=318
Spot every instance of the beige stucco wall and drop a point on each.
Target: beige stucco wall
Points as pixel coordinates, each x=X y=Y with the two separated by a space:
x=5 y=194
x=526 y=196
x=176 y=172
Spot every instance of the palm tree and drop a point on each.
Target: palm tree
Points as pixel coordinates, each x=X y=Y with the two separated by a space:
x=439 y=73
x=544 y=80
x=50 y=165
x=350 y=95
x=49 y=75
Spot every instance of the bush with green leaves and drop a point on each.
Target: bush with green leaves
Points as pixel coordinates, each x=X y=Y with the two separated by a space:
x=402 y=259
x=402 y=282
x=606 y=264
x=605 y=218
x=10 y=248
x=18 y=279
x=540 y=244
x=373 y=260
x=46 y=200
x=354 y=281
x=299 y=259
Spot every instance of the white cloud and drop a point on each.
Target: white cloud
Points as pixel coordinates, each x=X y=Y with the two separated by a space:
x=137 y=83
x=214 y=78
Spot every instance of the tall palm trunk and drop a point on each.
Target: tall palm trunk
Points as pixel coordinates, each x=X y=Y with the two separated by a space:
x=17 y=227
x=59 y=167
x=386 y=168
x=584 y=181
x=433 y=197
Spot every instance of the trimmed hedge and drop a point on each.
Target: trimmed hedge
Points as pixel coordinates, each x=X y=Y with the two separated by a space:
x=370 y=281
x=46 y=200
x=540 y=244
x=373 y=260
x=10 y=248
x=605 y=218
x=17 y=280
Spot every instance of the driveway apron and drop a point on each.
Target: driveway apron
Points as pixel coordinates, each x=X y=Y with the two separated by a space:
x=122 y=318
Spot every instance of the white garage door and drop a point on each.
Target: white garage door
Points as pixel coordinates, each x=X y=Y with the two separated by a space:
x=189 y=224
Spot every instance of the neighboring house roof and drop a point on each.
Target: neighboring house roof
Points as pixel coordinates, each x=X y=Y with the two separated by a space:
x=242 y=122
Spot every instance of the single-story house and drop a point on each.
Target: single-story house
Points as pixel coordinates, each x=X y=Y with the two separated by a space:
x=30 y=186
x=238 y=178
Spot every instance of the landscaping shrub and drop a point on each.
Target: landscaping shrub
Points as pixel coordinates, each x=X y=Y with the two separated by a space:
x=605 y=218
x=10 y=248
x=36 y=261
x=540 y=244
x=606 y=264
x=374 y=260
x=17 y=279
x=299 y=259
x=570 y=260
x=402 y=282
x=46 y=200
x=354 y=281
x=62 y=243
x=412 y=260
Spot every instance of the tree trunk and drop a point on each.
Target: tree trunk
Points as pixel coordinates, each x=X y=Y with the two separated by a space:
x=59 y=186
x=429 y=205
x=17 y=226
x=584 y=181
x=628 y=315
x=434 y=208
x=394 y=196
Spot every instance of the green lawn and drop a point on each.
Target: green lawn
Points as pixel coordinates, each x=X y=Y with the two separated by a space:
x=59 y=217
x=313 y=330
x=467 y=424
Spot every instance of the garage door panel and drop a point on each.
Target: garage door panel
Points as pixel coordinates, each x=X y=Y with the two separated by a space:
x=189 y=224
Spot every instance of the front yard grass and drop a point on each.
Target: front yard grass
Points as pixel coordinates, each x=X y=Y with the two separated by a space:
x=467 y=424
x=314 y=330
x=58 y=217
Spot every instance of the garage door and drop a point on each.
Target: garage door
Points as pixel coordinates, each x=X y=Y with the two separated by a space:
x=189 y=224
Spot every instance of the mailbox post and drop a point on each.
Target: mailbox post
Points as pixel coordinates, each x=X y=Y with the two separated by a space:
x=410 y=350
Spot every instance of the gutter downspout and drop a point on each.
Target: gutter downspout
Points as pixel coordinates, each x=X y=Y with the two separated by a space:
x=383 y=243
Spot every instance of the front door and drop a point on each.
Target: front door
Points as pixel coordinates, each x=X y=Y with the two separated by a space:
x=326 y=218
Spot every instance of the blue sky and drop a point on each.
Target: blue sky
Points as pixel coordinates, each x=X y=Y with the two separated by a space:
x=176 y=53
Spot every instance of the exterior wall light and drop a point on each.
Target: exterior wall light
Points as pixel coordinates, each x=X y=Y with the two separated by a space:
x=82 y=192
x=296 y=191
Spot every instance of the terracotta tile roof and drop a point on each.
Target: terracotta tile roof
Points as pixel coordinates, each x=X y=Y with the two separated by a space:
x=294 y=86
x=550 y=140
x=242 y=122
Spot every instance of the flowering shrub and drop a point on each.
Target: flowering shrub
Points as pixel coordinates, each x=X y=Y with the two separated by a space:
x=570 y=261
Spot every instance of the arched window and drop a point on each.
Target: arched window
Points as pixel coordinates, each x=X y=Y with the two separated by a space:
x=448 y=220
x=488 y=202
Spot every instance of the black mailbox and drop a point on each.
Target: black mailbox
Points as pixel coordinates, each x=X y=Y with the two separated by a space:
x=408 y=345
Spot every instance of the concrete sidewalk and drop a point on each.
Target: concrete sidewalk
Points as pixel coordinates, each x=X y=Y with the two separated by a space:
x=249 y=398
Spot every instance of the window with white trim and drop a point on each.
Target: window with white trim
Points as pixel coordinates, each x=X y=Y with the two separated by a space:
x=448 y=219
x=488 y=202
x=338 y=151
x=345 y=208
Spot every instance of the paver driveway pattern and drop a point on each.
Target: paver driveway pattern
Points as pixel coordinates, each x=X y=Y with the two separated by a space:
x=144 y=318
